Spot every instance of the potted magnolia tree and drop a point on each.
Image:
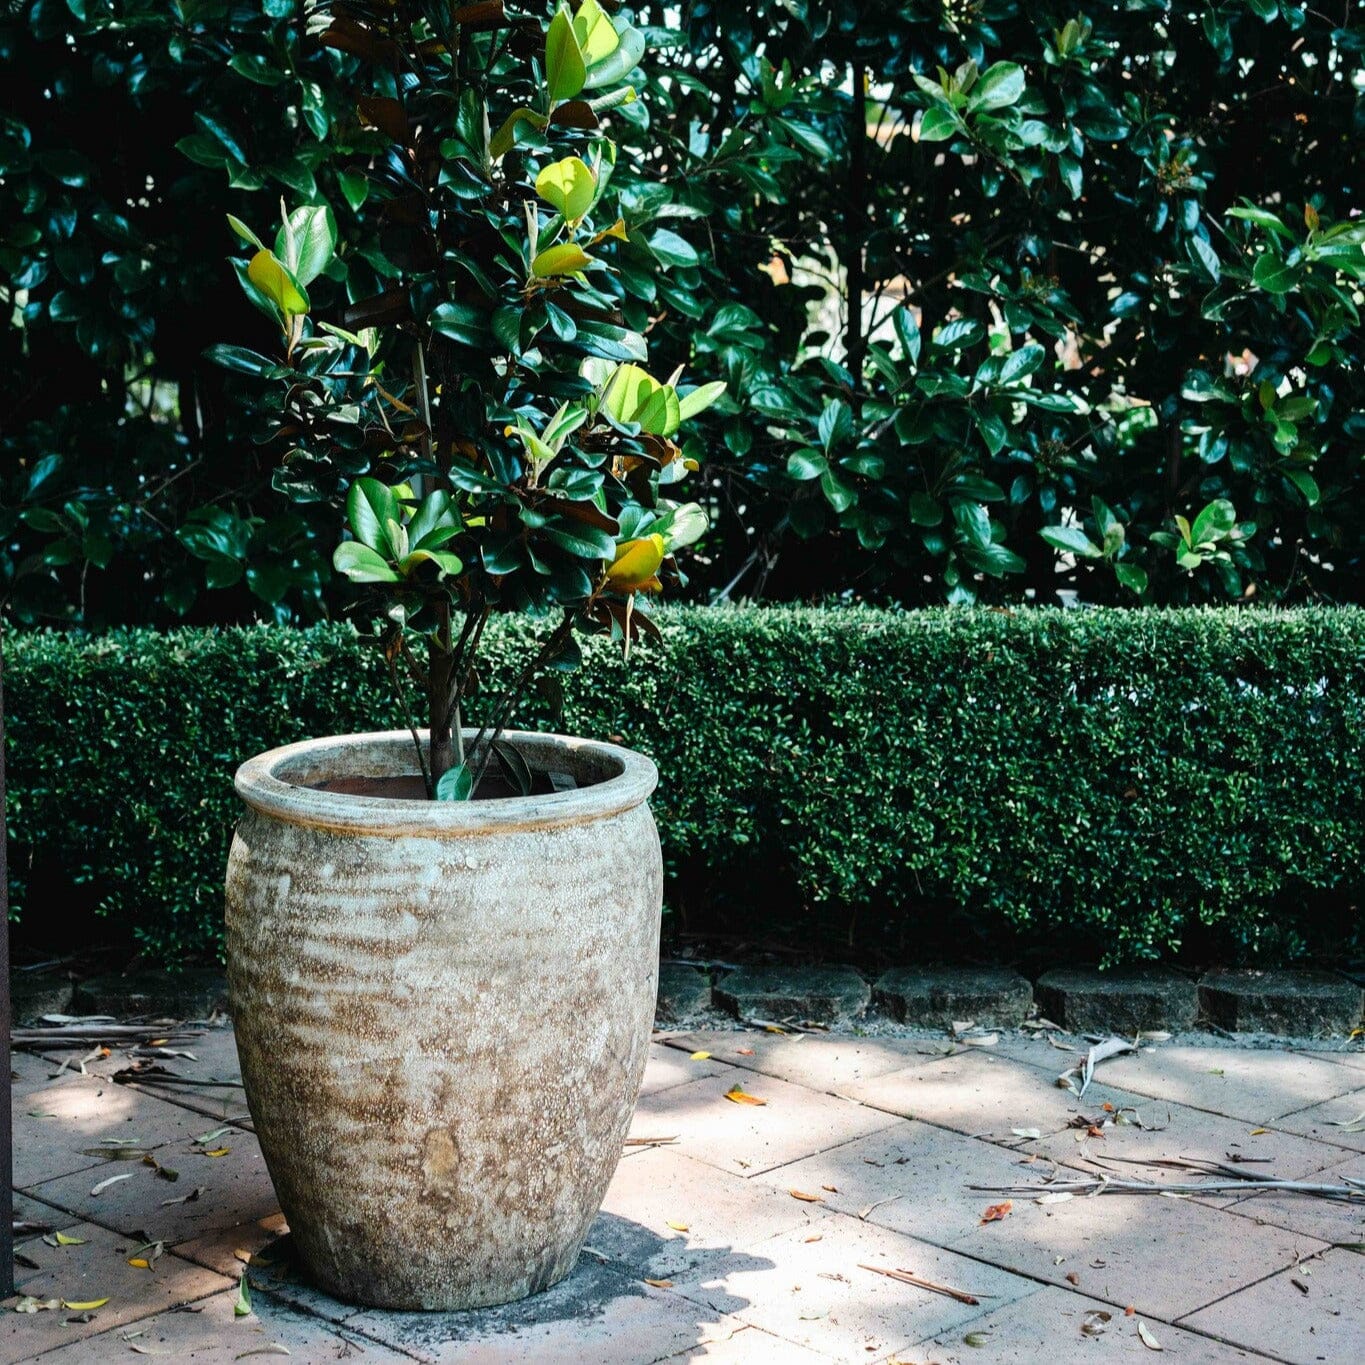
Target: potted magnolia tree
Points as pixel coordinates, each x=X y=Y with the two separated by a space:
x=442 y=941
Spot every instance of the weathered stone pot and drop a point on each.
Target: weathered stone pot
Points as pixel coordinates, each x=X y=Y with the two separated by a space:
x=443 y=1012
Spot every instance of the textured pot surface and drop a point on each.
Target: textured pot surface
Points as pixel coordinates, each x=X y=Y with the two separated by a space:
x=443 y=1012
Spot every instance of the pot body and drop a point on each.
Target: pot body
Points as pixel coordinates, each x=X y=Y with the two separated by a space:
x=443 y=1012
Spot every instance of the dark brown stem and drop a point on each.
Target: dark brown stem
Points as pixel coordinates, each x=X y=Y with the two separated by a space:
x=855 y=343
x=441 y=706
x=551 y=647
x=427 y=780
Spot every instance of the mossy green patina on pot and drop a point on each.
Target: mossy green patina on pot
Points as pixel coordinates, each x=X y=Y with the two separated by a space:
x=443 y=1012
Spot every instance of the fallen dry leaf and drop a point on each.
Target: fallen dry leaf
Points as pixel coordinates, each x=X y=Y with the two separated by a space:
x=218 y=1151
x=817 y=1237
x=677 y=1227
x=830 y=1189
x=28 y=1304
x=1129 y=1311
x=1148 y=1340
x=113 y=1180
x=806 y=1198
x=1093 y=1324
x=272 y=1348
x=738 y=1096
x=1256 y=1132
x=1073 y=1278
x=998 y=1211
x=1055 y=1197
x=744 y=1052
x=61 y=1239
x=660 y=1284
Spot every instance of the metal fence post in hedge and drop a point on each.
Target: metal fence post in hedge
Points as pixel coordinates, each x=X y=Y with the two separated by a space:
x=6 y=1132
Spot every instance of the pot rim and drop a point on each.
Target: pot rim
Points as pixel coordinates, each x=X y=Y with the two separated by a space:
x=260 y=786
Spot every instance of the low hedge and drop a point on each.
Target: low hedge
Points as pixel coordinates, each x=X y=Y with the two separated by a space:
x=1125 y=784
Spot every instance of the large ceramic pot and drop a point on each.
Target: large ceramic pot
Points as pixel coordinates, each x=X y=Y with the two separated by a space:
x=443 y=1011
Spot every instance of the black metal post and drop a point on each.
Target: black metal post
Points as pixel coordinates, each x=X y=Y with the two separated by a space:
x=6 y=1129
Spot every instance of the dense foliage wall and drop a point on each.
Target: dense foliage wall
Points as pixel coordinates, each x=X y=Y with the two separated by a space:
x=1104 y=271
x=955 y=783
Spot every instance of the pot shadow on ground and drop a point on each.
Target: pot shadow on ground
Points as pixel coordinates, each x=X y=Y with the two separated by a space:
x=602 y=1302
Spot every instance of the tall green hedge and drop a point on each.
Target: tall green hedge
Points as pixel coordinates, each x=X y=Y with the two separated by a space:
x=1120 y=783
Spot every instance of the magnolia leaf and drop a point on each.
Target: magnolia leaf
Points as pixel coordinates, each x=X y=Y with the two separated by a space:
x=569 y=186
x=371 y=507
x=596 y=34
x=308 y=246
x=738 y=1096
x=360 y=564
x=505 y=138
x=1000 y=86
x=620 y=62
x=1148 y=1340
x=690 y=404
x=112 y=1180
x=568 y=258
x=565 y=70
x=636 y=564
x=245 y=233
x=456 y=784
x=684 y=525
x=277 y=284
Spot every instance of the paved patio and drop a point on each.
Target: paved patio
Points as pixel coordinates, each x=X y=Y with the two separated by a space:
x=752 y=1232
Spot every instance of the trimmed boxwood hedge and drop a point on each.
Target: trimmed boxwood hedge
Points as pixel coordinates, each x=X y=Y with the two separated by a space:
x=1125 y=784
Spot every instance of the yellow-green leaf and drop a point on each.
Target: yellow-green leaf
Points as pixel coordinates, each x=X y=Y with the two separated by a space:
x=596 y=34
x=88 y=1306
x=505 y=138
x=568 y=185
x=277 y=284
x=565 y=70
x=636 y=563
x=568 y=258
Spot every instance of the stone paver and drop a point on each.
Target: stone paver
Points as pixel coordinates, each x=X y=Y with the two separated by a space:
x=1174 y=1131
x=1321 y=1318
x=1293 y=1001
x=1327 y=1220
x=981 y=1096
x=883 y=1135
x=236 y=1196
x=596 y=1314
x=810 y=1059
x=683 y=992
x=911 y=1178
x=59 y=1127
x=1123 y=1000
x=745 y=1138
x=1167 y=1256
x=1258 y=1086
x=1340 y=1121
x=1047 y=1327
x=666 y=1215
x=214 y=1335
x=938 y=997
x=824 y=994
x=96 y=1269
x=668 y=1067
x=811 y=1288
